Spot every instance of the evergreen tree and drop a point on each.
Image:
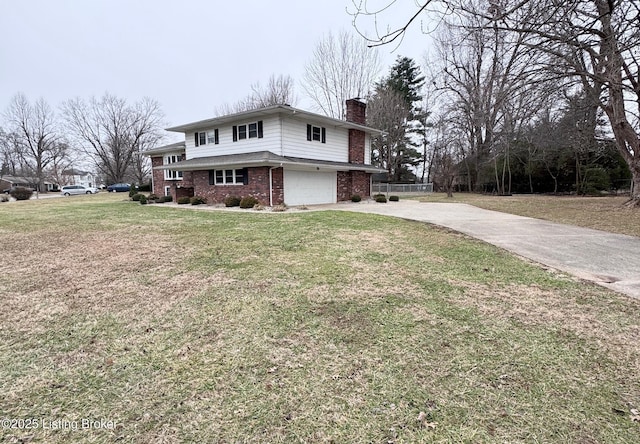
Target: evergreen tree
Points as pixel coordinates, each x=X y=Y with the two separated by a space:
x=406 y=79
x=397 y=151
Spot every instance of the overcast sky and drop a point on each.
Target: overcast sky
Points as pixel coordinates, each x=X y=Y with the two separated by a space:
x=190 y=55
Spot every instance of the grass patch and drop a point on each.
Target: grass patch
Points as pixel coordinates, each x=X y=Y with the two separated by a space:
x=192 y=326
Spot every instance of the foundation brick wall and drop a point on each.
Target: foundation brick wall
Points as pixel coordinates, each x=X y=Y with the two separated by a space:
x=353 y=182
x=344 y=185
x=158 y=176
x=258 y=186
x=360 y=183
x=178 y=188
x=278 y=186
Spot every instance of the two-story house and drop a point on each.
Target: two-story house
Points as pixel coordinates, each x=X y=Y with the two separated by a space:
x=74 y=176
x=278 y=154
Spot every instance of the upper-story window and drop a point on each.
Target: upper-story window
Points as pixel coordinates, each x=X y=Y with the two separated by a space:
x=247 y=131
x=316 y=133
x=172 y=174
x=206 y=137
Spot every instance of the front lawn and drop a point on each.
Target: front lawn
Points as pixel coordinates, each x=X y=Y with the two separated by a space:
x=174 y=325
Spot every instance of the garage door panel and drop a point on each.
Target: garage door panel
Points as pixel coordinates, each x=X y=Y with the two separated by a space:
x=309 y=187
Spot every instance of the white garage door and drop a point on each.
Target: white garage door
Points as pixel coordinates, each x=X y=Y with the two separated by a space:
x=309 y=187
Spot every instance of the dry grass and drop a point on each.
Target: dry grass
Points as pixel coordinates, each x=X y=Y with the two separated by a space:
x=190 y=326
x=601 y=213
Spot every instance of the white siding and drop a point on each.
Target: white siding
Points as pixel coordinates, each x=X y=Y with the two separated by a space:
x=284 y=136
x=269 y=142
x=295 y=143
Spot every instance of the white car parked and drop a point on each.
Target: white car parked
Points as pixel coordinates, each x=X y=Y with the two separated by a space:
x=68 y=190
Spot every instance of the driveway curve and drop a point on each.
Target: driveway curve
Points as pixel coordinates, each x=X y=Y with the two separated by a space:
x=611 y=260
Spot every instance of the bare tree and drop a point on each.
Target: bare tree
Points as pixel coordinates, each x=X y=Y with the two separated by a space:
x=140 y=163
x=9 y=161
x=35 y=135
x=112 y=132
x=280 y=90
x=486 y=71
x=595 y=42
x=341 y=68
x=61 y=161
x=447 y=148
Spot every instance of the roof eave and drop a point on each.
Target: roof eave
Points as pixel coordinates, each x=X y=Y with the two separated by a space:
x=275 y=109
x=318 y=166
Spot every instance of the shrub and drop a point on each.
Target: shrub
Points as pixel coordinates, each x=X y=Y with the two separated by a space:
x=380 y=198
x=21 y=193
x=4 y=198
x=142 y=199
x=356 y=198
x=154 y=198
x=394 y=198
x=248 y=202
x=279 y=208
x=232 y=201
x=132 y=191
x=597 y=180
x=168 y=198
x=136 y=197
x=184 y=200
x=198 y=200
x=145 y=187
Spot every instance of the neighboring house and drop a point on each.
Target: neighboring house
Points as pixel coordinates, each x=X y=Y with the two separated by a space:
x=8 y=182
x=277 y=154
x=73 y=176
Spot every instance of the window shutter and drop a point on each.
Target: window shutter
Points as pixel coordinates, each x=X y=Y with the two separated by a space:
x=245 y=176
x=308 y=132
x=212 y=177
x=259 y=129
x=197 y=140
x=215 y=136
x=235 y=133
x=324 y=135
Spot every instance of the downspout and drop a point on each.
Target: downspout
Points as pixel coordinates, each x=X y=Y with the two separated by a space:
x=282 y=134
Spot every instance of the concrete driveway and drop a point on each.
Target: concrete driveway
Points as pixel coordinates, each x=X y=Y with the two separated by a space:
x=611 y=260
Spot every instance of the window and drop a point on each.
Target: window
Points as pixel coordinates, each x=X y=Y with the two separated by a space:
x=316 y=133
x=248 y=131
x=242 y=132
x=210 y=137
x=253 y=130
x=228 y=177
x=171 y=174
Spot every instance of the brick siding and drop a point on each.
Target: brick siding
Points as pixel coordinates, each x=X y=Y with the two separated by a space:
x=353 y=182
x=177 y=188
x=258 y=186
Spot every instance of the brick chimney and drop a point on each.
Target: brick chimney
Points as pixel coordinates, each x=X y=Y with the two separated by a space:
x=356 y=113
